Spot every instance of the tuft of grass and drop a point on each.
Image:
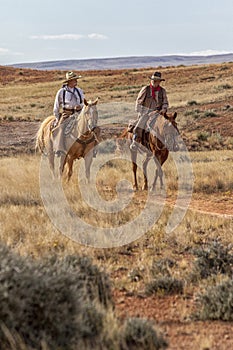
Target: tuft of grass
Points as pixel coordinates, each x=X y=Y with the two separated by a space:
x=139 y=334
x=203 y=136
x=192 y=103
x=165 y=285
x=58 y=301
x=216 y=303
x=213 y=259
x=208 y=114
x=162 y=267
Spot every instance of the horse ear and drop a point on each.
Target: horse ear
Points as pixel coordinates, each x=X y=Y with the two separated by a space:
x=165 y=115
x=85 y=102
x=175 y=115
x=96 y=100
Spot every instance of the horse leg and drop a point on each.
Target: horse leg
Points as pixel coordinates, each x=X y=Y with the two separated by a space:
x=159 y=173
x=62 y=164
x=51 y=162
x=144 y=166
x=134 y=166
x=69 y=161
x=51 y=156
x=88 y=160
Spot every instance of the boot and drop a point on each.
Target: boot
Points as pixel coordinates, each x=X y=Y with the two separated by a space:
x=134 y=145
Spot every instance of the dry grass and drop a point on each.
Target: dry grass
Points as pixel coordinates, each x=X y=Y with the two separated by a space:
x=26 y=227
x=184 y=84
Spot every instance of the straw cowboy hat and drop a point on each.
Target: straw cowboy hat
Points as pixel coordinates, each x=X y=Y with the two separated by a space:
x=157 y=76
x=71 y=76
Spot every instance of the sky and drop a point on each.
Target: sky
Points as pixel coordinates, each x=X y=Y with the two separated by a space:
x=49 y=30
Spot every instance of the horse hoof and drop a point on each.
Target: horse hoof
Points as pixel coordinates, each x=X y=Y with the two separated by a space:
x=152 y=190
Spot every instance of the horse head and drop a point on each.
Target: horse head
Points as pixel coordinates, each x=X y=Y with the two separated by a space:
x=91 y=114
x=170 y=132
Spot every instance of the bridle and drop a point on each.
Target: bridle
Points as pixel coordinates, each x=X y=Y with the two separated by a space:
x=91 y=115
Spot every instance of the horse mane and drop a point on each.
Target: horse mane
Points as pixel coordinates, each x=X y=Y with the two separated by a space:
x=40 y=144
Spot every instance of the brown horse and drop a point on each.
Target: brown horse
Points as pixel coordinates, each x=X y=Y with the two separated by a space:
x=157 y=143
x=80 y=141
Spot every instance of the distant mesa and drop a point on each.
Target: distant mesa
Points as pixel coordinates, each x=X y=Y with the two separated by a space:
x=126 y=62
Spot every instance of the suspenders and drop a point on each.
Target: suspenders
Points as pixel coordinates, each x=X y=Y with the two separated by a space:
x=64 y=94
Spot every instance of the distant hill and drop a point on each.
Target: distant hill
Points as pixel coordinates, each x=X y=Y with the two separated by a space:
x=126 y=62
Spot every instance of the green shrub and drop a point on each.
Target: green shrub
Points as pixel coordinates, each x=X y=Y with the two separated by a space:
x=216 y=303
x=224 y=87
x=162 y=267
x=60 y=302
x=192 y=103
x=140 y=334
x=203 y=136
x=164 y=285
x=210 y=114
x=213 y=259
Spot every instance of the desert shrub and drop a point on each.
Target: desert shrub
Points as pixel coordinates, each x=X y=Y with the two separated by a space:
x=192 y=103
x=140 y=334
x=203 y=136
x=224 y=87
x=165 y=285
x=216 y=303
x=213 y=259
x=136 y=275
x=210 y=114
x=194 y=113
x=60 y=302
x=162 y=267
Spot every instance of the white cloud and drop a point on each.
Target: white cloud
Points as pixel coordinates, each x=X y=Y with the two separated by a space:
x=95 y=36
x=201 y=53
x=3 y=51
x=208 y=53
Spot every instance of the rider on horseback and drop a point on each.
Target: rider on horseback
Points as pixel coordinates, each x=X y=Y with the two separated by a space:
x=71 y=99
x=151 y=100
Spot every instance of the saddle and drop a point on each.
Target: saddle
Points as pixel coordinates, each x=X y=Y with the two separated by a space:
x=131 y=125
x=144 y=133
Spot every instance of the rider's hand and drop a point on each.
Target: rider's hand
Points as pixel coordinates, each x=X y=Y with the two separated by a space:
x=151 y=114
x=78 y=108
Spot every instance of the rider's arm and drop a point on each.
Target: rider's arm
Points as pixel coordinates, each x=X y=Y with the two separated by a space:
x=57 y=104
x=140 y=100
x=165 y=104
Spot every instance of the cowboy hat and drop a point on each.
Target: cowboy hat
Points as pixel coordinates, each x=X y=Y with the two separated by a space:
x=71 y=76
x=156 y=76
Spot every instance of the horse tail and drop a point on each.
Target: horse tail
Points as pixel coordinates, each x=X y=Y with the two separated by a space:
x=124 y=134
x=40 y=142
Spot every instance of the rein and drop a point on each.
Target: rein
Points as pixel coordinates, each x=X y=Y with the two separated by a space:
x=86 y=142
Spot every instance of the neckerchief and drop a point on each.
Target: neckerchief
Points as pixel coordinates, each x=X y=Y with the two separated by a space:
x=154 y=89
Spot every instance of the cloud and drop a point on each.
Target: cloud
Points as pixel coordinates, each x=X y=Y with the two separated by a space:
x=3 y=51
x=208 y=53
x=97 y=36
x=201 y=53
x=94 y=36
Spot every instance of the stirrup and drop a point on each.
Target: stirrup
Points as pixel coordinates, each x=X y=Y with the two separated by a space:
x=134 y=145
x=59 y=153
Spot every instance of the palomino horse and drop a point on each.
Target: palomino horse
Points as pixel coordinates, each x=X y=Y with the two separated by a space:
x=80 y=139
x=161 y=139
